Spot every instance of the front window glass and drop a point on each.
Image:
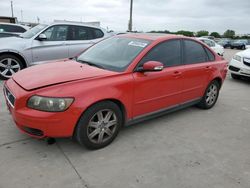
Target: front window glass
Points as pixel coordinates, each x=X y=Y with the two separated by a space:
x=56 y=33
x=168 y=53
x=114 y=53
x=33 y=31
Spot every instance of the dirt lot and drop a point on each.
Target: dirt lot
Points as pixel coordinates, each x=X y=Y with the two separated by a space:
x=191 y=148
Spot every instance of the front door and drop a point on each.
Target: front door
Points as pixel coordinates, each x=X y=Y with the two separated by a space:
x=154 y=91
x=54 y=47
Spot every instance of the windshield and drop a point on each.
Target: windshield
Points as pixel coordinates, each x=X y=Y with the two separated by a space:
x=32 y=32
x=240 y=41
x=115 y=53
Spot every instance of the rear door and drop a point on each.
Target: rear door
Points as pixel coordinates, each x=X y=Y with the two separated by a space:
x=54 y=47
x=197 y=69
x=81 y=38
x=159 y=90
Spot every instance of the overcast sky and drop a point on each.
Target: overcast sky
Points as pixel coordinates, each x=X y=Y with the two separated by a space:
x=173 y=15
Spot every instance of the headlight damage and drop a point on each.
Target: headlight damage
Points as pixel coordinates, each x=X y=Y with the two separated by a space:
x=49 y=104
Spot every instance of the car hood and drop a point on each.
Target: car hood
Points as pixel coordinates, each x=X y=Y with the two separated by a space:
x=59 y=72
x=245 y=53
x=13 y=42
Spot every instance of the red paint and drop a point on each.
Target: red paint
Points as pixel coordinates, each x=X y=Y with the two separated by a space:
x=140 y=93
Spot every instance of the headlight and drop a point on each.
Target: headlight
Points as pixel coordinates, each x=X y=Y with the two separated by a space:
x=237 y=58
x=48 y=104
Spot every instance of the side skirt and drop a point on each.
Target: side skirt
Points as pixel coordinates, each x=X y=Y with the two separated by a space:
x=161 y=112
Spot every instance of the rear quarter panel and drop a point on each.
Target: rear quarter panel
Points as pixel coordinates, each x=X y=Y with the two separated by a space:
x=219 y=70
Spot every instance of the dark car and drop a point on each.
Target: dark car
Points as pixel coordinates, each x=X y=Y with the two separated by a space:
x=226 y=43
x=9 y=30
x=239 y=44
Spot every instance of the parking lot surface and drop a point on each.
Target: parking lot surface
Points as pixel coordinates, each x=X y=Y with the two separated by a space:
x=191 y=148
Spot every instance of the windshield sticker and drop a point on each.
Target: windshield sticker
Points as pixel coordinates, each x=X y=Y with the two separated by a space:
x=138 y=44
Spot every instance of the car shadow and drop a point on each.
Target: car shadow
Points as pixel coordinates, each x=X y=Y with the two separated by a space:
x=242 y=80
x=127 y=131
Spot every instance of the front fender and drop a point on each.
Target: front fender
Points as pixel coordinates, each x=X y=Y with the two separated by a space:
x=26 y=60
x=121 y=91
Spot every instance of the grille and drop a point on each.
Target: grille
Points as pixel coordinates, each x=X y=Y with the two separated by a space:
x=232 y=68
x=246 y=61
x=10 y=97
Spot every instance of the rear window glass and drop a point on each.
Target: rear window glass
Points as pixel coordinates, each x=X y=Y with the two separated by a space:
x=194 y=52
x=98 y=33
x=210 y=55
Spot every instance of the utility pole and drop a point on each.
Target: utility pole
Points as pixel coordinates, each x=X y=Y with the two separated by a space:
x=22 y=15
x=11 y=4
x=130 y=16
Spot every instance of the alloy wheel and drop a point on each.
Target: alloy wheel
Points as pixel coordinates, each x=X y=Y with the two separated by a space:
x=211 y=94
x=8 y=67
x=102 y=126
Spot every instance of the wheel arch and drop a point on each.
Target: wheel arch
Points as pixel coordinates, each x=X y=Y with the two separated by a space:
x=219 y=80
x=116 y=101
x=18 y=55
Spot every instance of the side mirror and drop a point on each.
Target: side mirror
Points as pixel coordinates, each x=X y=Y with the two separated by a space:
x=42 y=37
x=151 y=66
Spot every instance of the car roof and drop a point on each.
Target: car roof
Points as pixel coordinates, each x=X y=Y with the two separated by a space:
x=73 y=23
x=202 y=38
x=152 y=36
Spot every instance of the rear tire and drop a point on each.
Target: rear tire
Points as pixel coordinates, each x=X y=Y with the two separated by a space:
x=211 y=95
x=9 y=65
x=99 y=125
x=235 y=76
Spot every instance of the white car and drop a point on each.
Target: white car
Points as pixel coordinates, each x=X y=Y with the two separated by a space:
x=212 y=44
x=46 y=42
x=240 y=64
x=9 y=29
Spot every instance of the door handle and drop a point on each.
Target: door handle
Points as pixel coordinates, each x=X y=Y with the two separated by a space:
x=177 y=73
x=208 y=67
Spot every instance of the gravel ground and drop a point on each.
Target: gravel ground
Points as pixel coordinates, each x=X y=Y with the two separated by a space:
x=191 y=148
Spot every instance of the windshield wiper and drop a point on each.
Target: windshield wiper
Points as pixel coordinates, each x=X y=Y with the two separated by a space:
x=90 y=63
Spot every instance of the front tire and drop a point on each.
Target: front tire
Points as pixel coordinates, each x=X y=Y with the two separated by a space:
x=243 y=47
x=99 y=125
x=211 y=95
x=9 y=65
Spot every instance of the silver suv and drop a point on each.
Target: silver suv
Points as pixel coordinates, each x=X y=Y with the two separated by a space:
x=46 y=42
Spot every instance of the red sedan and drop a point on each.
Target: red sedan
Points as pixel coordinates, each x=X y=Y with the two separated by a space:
x=119 y=81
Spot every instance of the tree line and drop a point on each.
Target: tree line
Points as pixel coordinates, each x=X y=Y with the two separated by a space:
x=227 y=34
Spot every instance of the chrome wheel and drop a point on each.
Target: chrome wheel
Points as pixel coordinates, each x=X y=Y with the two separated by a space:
x=211 y=94
x=102 y=126
x=8 y=67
